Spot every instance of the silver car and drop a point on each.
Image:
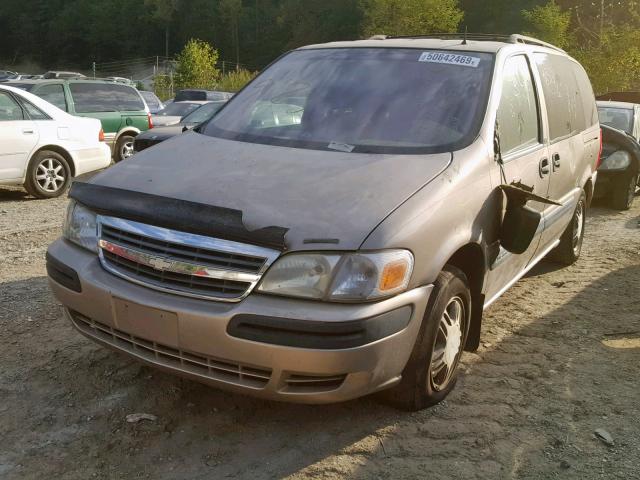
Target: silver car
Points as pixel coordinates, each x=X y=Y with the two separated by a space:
x=339 y=226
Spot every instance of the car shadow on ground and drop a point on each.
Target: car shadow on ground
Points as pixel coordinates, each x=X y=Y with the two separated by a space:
x=529 y=401
x=13 y=194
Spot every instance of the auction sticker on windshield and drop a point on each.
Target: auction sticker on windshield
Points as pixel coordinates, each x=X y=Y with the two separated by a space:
x=450 y=59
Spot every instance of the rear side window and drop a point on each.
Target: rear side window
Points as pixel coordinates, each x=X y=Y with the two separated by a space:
x=34 y=112
x=563 y=97
x=585 y=91
x=99 y=97
x=518 y=119
x=9 y=108
x=54 y=94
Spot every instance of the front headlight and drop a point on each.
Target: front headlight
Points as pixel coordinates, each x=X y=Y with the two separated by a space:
x=339 y=277
x=81 y=227
x=619 y=160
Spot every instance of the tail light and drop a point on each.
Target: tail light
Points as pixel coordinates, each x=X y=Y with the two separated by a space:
x=149 y=120
x=101 y=135
x=599 y=161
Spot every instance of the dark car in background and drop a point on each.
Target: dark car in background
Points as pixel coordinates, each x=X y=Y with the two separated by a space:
x=119 y=107
x=7 y=75
x=630 y=97
x=201 y=95
x=159 y=134
x=620 y=165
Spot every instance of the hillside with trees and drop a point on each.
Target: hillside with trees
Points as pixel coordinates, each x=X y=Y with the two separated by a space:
x=603 y=34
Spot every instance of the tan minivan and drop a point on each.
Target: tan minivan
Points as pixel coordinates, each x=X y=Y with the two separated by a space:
x=339 y=226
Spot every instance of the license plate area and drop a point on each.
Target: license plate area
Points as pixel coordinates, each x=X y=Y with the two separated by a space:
x=148 y=323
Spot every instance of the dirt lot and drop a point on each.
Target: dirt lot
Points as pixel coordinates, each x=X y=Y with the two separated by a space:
x=552 y=369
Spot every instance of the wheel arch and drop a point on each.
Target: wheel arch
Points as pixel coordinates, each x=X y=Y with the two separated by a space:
x=588 y=190
x=471 y=259
x=130 y=130
x=61 y=151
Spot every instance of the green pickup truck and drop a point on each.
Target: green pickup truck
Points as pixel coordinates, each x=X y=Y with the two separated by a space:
x=120 y=108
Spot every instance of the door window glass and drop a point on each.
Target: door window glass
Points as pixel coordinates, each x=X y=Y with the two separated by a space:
x=54 y=94
x=34 y=112
x=9 y=108
x=105 y=97
x=518 y=119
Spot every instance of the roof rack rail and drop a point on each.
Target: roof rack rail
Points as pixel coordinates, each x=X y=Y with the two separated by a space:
x=533 y=41
x=515 y=38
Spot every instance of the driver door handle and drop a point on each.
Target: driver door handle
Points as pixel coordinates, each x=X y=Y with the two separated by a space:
x=556 y=161
x=544 y=167
x=27 y=131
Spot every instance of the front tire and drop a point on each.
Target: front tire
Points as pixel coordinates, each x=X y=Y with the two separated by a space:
x=124 y=148
x=568 y=250
x=432 y=370
x=48 y=175
x=623 y=191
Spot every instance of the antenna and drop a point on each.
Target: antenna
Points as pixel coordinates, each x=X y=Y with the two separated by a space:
x=464 y=40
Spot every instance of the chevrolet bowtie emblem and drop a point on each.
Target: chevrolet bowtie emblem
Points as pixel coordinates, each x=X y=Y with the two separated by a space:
x=160 y=264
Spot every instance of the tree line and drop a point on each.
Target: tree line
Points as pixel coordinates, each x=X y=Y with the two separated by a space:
x=603 y=34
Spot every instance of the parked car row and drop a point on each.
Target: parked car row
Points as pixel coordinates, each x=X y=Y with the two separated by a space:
x=119 y=107
x=121 y=110
x=43 y=147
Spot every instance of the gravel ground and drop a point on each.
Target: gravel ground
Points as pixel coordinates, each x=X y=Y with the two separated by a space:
x=559 y=360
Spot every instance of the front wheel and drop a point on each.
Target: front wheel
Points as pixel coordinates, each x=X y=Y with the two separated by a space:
x=124 y=148
x=432 y=369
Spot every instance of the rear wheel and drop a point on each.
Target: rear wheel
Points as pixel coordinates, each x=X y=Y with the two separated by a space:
x=568 y=250
x=623 y=191
x=48 y=175
x=432 y=369
x=124 y=148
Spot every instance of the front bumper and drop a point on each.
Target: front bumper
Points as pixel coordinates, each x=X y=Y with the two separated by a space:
x=191 y=336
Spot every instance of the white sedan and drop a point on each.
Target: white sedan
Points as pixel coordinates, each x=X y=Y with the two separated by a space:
x=42 y=147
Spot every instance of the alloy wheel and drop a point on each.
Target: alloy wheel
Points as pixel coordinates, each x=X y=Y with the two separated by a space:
x=50 y=175
x=126 y=150
x=448 y=344
x=578 y=228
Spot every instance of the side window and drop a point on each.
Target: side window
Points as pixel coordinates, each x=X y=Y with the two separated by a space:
x=585 y=91
x=563 y=99
x=518 y=118
x=9 y=109
x=105 y=97
x=54 y=94
x=34 y=112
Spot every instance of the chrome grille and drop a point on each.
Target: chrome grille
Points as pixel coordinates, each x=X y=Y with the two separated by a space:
x=157 y=353
x=180 y=262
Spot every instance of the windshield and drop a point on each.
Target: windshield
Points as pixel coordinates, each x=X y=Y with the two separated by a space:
x=620 y=118
x=376 y=100
x=204 y=113
x=178 y=109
